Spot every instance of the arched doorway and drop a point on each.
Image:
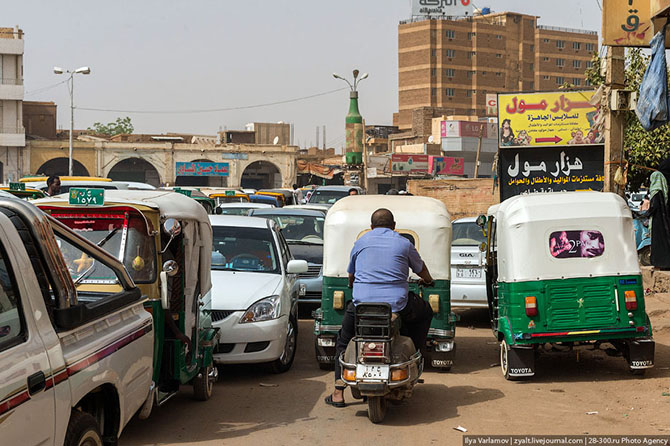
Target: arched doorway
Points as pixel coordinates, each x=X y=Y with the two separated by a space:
x=203 y=181
x=261 y=175
x=135 y=169
x=60 y=166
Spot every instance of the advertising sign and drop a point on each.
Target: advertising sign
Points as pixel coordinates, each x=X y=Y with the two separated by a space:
x=491 y=104
x=446 y=165
x=455 y=129
x=202 y=169
x=627 y=23
x=561 y=118
x=531 y=170
x=401 y=163
x=454 y=8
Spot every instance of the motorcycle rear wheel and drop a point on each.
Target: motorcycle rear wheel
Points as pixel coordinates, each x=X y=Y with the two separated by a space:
x=377 y=407
x=644 y=256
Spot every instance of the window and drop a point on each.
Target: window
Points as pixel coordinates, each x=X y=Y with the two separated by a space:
x=467 y=234
x=587 y=82
x=532 y=48
x=545 y=59
x=532 y=85
x=576 y=64
x=433 y=91
x=433 y=72
x=546 y=78
x=499 y=36
x=560 y=62
x=589 y=64
x=576 y=46
x=531 y=67
x=449 y=92
x=471 y=35
x=244 y=249
x=468 y=93
x=451 y=34
x=470 y=74
x=560 y=80
x=471 y=54
x=498 y=73
x=433 y=53
x=577 y=82
x=590 y=47
x=499 y=55
x=12 y=325
x=451 y=53
x=449 y=72
x=560 y=44
x=571 y=244
x=546 y=40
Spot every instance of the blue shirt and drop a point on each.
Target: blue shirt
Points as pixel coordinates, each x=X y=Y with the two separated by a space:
x=380 y=262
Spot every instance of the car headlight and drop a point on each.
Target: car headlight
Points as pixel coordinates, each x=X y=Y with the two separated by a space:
x=264 y=310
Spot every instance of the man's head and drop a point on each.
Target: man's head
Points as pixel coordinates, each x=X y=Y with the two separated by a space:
x=295 y=186
x=382 y=218
x=53 y=185
x=353 y=191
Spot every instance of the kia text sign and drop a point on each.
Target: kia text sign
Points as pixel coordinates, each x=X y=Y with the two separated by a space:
x=627 y=23
x=409 y=163
x=202 y=169
x=446 y=165
x=552 y=119
x=452 y=8
x=456 y=129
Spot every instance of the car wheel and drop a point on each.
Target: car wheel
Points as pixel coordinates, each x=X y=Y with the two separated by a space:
x=285 y=361
x=82 y=430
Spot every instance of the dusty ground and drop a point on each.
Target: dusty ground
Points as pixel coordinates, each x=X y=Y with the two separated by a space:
x=474 y=395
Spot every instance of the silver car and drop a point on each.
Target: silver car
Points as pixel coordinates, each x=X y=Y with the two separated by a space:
x=468 y=265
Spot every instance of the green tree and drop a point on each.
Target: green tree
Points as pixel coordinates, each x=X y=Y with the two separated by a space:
x=118 y=127
x=642 y=148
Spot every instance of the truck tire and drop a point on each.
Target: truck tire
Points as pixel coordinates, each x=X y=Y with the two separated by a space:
x=285 y=361
x=203 y=384
x=82 y=430
x=377 y=407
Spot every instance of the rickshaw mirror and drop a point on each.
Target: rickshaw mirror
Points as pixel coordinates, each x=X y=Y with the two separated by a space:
x=218 y=211
x=172 y=227
x=481 y=221
x=171 y=268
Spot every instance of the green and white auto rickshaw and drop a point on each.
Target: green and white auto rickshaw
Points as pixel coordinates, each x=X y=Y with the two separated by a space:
x=164 y=240
x=562 y=272
x=423 y=221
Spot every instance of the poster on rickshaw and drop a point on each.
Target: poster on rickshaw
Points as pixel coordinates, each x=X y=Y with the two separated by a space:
x=549 y=119
x=537 y=170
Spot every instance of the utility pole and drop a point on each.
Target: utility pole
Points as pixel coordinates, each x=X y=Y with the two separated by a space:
x=614 y=120
x=479 y=149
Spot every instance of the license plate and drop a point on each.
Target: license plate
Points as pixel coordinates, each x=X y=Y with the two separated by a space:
x=469 y=273
x=366 y=372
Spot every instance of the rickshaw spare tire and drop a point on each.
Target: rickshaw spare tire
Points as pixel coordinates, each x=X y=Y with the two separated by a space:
x=377 y=407
x=203 y=384
x=82 y=430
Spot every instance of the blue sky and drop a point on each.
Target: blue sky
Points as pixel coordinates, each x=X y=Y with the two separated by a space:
x=204 y=54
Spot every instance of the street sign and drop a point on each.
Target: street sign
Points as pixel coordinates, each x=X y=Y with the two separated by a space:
x=95 y=197
x=627 y=22
x=202 y=169
x=432 y=8
x=559 y=118
x=17 y=186
x=491 y=104
x=230 y=193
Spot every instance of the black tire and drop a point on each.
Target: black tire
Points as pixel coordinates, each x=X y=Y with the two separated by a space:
x=82 y=430
x=203 y=384
x=504 y=360
x=285 y=361
x=330 y=366
x=644 y=256
x=638 y=372
x=356 y=393
x=377 y=407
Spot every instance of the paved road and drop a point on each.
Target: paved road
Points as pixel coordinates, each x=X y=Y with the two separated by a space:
x=474 y=395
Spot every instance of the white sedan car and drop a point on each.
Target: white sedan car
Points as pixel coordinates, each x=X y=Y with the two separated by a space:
x=254 y=292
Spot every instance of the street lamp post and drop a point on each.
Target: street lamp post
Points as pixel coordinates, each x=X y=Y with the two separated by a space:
x=70 y=86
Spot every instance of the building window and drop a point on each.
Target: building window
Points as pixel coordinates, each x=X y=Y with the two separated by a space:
x=449 y=92
x=560 y=62
x=449 y=72
x=471 y=54
x=471 y=35
x=451 y=53
x=468 y=93
x=531 y=66
x=499 y=36
x=545 y=59
x=451 y=34
x=560 y=44
x=590 y=47
x=576 y=64
x=560 y=80
x=433 y=72
x=433 y=53
x=587 y=82
x=546 y=78
x=483 y=73
x=532 y=85
x=498 y=73
x=589 y=64
x=433 y=91
x=532 y=48
x=499 y=55
x=576 y=46
x=577 y=82
x=546 y=40
x=470 y=74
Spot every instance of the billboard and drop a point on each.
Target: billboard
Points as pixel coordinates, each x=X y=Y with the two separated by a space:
x=553 y=119
x=456 y=129
x=202 y=169
x=446 y=165
x=401 y=163
x=491 y=104
x=454 y=8
x=546 y=169
x=627 y=23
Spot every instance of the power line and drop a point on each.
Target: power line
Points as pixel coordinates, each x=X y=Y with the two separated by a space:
x=212 y=110
x=598 y=1
x=42 y=89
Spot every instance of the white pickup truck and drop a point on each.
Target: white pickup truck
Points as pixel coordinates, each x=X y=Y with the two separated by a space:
x=75 y=362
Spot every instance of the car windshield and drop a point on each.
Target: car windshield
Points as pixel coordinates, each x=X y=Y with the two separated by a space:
x=327 y=196
x=299 y=228
x=108 y=231
x=234 y=211
x=244 y=249
x=467 y=234
x=637 y=197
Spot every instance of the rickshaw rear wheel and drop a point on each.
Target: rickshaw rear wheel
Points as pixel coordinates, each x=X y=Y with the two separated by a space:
x=377 y=407
x=504 y=360
x=203 y=384
x=284 y=362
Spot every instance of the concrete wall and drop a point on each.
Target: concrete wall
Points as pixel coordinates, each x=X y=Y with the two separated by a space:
x=463 y=197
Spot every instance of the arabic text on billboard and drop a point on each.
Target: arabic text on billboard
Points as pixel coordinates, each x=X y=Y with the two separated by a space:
x=409 y=163
x=549 y=119
x=627 y=23
x=202 y=169
x=454 y=8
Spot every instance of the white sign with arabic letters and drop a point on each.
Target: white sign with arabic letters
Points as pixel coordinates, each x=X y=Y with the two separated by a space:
x=454 y=8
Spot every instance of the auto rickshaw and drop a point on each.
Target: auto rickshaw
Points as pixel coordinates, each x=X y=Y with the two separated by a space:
x=281 y=197
x=229 y=196
x=265 y=199
x=562 y=272
x=164 y=240
x=21 y=191
x=423 y=221
x=198 y=196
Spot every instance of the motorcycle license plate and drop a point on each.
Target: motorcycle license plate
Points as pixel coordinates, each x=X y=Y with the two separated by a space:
x=469 y=273
x=365 y=372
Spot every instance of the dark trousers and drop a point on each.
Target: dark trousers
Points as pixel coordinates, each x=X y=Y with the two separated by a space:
x=415 y=322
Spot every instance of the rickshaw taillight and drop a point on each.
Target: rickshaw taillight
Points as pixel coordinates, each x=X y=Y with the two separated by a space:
x=531 y=306
x=372 y=349
x=631 y=300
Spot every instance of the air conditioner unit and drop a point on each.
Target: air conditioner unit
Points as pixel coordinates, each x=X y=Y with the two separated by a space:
x=621 y=100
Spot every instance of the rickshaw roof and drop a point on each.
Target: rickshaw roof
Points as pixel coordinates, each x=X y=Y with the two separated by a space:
x=426 y=217
x=526 y=223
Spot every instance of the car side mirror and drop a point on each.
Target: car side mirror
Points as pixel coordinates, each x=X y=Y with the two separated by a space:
x=218 y=211
x=296 y=267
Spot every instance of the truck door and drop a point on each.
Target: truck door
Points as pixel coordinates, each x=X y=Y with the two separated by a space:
x=27 y=401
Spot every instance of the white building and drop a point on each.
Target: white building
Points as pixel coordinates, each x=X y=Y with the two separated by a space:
x=12 y=132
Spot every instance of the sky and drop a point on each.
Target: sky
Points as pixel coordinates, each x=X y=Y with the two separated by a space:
x=166 y=55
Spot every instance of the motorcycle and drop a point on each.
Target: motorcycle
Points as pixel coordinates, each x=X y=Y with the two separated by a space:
x=379 y=363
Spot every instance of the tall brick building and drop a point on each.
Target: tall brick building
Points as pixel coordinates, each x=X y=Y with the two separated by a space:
x=452 y=64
